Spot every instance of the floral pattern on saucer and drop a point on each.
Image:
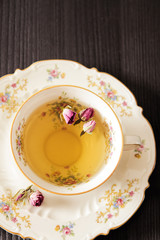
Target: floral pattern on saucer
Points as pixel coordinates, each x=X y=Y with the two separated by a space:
x=55 y=73
x=10 y=210
x=107 y=92
x=115 y=200
x=9 y=101
x=66 y=230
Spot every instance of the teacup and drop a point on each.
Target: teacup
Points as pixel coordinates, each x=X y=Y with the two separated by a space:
x=111 y=141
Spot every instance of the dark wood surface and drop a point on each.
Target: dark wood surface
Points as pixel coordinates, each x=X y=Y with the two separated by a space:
x=121 y=37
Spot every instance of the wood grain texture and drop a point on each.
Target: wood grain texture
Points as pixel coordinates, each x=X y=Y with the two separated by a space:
x=121 y=37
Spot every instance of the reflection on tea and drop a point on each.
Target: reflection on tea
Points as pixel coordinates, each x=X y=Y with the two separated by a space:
x=55 y=150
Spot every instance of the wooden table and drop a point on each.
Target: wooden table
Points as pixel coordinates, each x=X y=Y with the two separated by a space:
x=121 y=37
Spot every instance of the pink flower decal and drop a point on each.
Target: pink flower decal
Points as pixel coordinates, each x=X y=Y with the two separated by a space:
x=66 y=231
x=116 y=199
x=9 y=100
x=3 y=98
x=109 y=215
x=124 y=103
x=54 y=73
x=140 y=148
x=111 y=128
x=5 y=208
x=14 y=85
x=69 y=115
x=14 y=219
x=102 y=83
x=110 y=94
x=131 y=193
x=120 y=202
x=9 y=208
x=36 y=198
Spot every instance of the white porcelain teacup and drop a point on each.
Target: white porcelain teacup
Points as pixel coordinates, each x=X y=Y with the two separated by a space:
x=118 y=142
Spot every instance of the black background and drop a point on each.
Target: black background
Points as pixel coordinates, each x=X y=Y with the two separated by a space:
x=121 y=37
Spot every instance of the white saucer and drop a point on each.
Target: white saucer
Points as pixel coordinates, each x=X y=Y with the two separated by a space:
x=88 y=215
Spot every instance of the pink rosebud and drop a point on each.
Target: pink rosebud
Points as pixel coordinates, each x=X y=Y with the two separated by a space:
x=86 y=114
x=69 y=115
x=20 y=196
x=36 y=198
x=66 y=231
x=89 y=126
x=14 y=85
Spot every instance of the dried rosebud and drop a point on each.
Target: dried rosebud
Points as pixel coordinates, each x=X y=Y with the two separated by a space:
x=36 y=198
x=20 y=196
x=86 y=114
x=69 y=115
x=88 y=127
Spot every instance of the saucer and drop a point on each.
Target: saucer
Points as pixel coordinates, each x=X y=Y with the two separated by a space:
x=80 y=217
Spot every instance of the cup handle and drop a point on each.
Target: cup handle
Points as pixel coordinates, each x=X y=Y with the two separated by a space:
x=131 y=142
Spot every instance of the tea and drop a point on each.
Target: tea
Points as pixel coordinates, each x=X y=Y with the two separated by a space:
x=55 y=150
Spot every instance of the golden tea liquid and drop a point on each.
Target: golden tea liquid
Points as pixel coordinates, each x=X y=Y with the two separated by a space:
x=55 y=150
